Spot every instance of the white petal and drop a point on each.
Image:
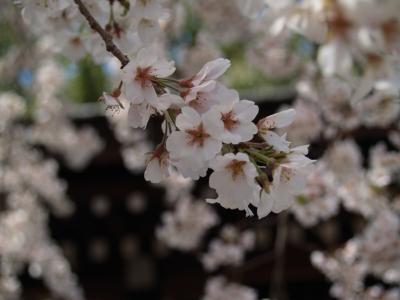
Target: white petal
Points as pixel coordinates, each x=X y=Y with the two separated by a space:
x=278 y=142
x=213 y=123
x=165 y=101
x=246 y=110
x=243 y=133
x=153 y=172
x=133 y=92
x=147 y=57
x=212 y=70
x=210 y=148
x=147 y=31
x=138 y=115
x=188 y=119
x=279 y=120
x=150 y=95
x=282 y=201
x=265 y=205
x=190 y=167
x=163 y=68
x=177 y=145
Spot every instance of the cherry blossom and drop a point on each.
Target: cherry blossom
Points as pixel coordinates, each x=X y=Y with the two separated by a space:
x=192 y=145
x=231 y=122
x=289 y=180
x=342 y=59
x=141 y=74
x=234 y=180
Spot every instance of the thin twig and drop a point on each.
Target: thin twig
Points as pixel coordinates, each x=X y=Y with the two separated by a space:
x=105 y=35
x=278 y=277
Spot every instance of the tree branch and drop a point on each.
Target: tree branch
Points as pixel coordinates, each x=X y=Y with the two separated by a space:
x=277 y=290
x=105 y=35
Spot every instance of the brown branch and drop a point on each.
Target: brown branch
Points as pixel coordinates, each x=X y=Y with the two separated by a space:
x=105 y=35
x=277 y=289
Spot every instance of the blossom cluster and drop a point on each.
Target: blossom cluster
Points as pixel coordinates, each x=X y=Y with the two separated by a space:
x=229 y=249
x=206 y=125
x=131 y=25
x=340 y=58
x=30 y=187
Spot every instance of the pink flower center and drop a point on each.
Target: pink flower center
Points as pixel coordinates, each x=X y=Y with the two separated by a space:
x=229 y=120
x=197 y=136
x=143 y=76
x=236 y=168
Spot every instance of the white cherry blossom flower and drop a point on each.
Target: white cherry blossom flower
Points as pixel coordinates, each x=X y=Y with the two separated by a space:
x=141 y=73
x=289 y=180
x=192 y=145
x=234 y=180
x=231 y=121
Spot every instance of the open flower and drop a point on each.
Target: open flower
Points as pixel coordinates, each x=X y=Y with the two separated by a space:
x=289 y=180
x=234 y=180
x=231 y=121
x=193 y=144
x=141 y=74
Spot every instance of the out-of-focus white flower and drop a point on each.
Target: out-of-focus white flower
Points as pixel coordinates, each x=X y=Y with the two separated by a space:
x=384 y=165
x=304 y=18
x=229 y=249
x=12 y=106
x=319 y=200
x=380 y=109
x=335 y=57
x=218 y=288
x=307 y=125
x=184 y=227
x=344 y=160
